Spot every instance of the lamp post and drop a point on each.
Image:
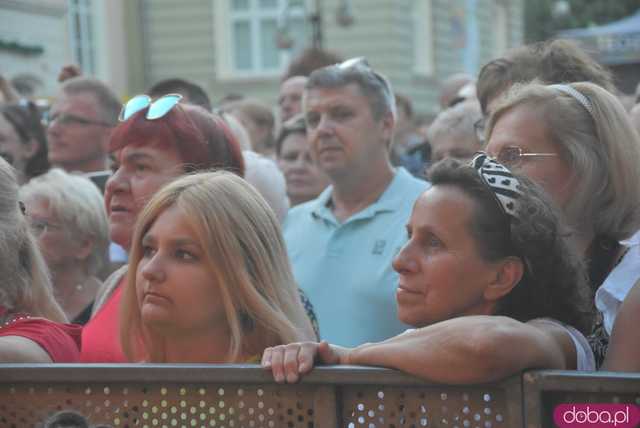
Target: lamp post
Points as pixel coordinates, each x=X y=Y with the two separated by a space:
x=344 y=18
x=315 y=18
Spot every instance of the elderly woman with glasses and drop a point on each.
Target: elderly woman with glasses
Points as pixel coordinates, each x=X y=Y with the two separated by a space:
x=577 y=142
x=22 y=139
x=32 y=328
x=68 y=217
x=489 y=280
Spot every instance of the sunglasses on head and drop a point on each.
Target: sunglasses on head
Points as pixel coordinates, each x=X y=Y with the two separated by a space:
x=358 y=61
x=362 y=63
x=157 y=108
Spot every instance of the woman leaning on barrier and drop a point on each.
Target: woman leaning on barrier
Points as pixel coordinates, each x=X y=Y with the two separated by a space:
x=209 y=279
x=488 y=278
x=31 y=322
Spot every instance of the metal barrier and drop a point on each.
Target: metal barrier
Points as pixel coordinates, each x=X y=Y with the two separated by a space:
x=543 y=390
x=189 y=395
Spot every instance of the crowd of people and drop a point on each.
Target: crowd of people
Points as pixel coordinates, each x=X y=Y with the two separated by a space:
x=334 y=227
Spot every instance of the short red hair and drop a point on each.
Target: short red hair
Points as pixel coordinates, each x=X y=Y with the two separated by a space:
x=201 y=138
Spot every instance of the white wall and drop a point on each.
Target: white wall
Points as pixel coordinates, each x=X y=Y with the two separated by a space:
x=111 y=44
x=41 y=23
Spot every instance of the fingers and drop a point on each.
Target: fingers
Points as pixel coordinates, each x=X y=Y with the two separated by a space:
x=277 y=367
x=288 y=362
x=291 y=369
x=266 y=358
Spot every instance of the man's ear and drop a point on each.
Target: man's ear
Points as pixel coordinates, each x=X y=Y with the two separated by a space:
x=388 y=125
x=508 y=275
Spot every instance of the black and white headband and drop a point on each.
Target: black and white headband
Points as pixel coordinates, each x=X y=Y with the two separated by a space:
x=577 y=95
x=500 y=180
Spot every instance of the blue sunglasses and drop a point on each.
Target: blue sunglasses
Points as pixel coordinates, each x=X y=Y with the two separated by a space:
x=157 y=108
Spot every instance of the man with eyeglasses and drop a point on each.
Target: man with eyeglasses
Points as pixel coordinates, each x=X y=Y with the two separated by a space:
x=79 y=124
x=341 y=244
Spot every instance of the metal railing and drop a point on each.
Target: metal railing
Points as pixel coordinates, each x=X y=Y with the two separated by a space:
x=193 y=395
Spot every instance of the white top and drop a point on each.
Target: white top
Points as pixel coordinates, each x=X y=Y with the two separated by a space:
x=619 y=282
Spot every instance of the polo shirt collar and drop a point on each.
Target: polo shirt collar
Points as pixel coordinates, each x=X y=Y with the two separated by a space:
x=389 y=200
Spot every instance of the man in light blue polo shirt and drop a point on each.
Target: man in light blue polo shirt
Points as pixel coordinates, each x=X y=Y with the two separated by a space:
x=341 y=244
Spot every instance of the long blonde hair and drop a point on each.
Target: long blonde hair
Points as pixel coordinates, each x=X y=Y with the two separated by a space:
x=602 y=149
x=243 y=245
x=24 y=278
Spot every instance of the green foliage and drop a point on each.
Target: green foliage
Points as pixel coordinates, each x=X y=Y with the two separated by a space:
x=541 y=24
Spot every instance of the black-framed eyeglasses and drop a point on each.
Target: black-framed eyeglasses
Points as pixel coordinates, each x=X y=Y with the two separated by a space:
x=512 y=156
x=67 y=119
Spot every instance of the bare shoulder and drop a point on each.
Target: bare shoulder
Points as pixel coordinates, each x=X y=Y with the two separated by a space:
x=17 y=349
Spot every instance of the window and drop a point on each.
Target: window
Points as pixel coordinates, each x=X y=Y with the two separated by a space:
x=246 y=35
x=423 y=50
x=81 y=34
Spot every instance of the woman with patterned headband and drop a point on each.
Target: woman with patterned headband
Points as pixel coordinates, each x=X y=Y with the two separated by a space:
x=577 y=141
x=489 y=279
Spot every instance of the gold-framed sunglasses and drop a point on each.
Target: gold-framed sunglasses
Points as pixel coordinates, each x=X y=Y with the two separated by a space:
x=512 y=156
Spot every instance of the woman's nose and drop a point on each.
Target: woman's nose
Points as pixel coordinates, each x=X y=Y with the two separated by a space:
x=403 y=262
x=116 y=181
x=152 y=269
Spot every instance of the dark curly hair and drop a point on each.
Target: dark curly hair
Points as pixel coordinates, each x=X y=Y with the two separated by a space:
x=554 y=283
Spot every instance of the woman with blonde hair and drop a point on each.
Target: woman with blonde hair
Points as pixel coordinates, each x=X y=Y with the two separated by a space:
x=31 y=321
x=576 y=140
x=209 y=279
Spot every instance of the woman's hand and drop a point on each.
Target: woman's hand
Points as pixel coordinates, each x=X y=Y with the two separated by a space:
x=288 y=362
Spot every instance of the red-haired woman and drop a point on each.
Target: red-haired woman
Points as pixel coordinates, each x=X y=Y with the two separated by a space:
x=154 y=143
